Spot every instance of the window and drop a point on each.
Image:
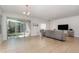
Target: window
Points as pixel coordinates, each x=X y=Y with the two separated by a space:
x=15 y=27
x=43 y=26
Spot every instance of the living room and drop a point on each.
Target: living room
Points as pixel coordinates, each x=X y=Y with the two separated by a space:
x=21 y=27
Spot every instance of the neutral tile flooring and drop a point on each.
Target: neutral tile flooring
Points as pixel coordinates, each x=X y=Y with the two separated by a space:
x=40 y=45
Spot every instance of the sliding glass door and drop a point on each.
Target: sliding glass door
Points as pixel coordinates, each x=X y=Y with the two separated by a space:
x=15 y=28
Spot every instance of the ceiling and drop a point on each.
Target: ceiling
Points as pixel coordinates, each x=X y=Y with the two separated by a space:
x=18 y=9
x=46 y=12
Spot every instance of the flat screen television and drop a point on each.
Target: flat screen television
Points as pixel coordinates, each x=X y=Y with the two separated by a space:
x=63 y=27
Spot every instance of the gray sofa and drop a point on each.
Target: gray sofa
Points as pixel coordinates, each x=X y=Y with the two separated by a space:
x=59 y=35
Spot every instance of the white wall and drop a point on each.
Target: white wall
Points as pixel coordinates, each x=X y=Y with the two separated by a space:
x=15 y=15
x=0 y=12
x=72 y=21
x=1 y=25
x=36 y=30
x=4 y=27
x=0 y=29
